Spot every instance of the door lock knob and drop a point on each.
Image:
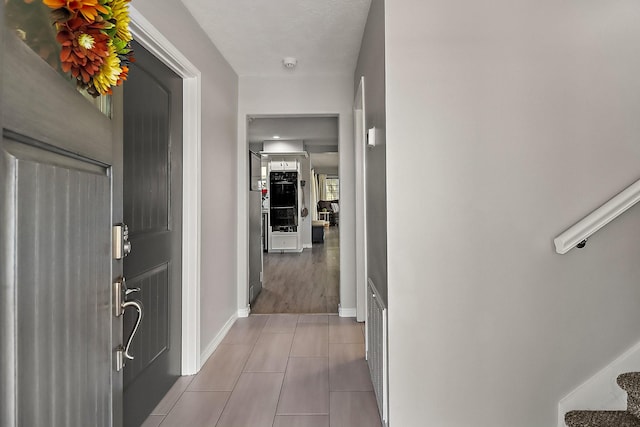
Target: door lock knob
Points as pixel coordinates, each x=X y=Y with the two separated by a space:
x=126 y=247
x=121 y=242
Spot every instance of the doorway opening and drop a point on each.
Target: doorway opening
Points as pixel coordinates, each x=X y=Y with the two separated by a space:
x=294 y=214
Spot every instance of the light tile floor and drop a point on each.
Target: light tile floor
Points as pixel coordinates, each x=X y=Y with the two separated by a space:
x=278 y=370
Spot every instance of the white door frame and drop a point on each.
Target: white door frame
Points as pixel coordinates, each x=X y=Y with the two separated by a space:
x=359 y=129
x=152 y=40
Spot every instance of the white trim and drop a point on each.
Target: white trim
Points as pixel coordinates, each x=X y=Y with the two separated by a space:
x=152 y=40
x=242 y=186
x=346 y=312
x=598 y=218
x=244 y=312
x=359 y=129
x=215 y=342
x=307 y=246
x=385 y=366
x=601 y=391
x=242 y=232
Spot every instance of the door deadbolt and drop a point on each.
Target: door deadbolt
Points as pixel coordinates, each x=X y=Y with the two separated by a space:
x=121 y=243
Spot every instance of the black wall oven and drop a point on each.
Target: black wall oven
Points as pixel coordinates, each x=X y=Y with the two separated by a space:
x=283 y=201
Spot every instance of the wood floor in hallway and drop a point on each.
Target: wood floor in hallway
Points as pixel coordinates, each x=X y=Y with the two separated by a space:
x=307 y=282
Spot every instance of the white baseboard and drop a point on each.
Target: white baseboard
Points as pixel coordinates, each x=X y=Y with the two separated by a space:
x=347 y=312
x=244 y=312
x=211 y=347
x=307 y=246
x=601 y=392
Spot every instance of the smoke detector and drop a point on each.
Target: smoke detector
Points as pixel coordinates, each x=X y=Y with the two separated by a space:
x=290 y=62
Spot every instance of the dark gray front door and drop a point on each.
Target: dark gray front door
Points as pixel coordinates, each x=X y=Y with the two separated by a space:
x=58 y=163
x=153 y=212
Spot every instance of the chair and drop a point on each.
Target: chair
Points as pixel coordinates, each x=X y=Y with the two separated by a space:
x=332 y=207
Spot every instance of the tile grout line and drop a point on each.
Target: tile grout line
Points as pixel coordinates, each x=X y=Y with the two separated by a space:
x=241 y=372
x=275 y=413
x=164 y=417
x=328 y=414
x=262 y=331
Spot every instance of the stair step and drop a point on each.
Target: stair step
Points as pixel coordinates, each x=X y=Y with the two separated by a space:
x=630 y=382
x=633 y=404
x=601 y=419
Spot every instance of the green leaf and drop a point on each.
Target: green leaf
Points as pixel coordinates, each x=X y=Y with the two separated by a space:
x=119 y=44
x=111 y=32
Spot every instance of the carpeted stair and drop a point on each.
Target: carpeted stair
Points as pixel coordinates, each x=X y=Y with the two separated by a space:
x=629 y=382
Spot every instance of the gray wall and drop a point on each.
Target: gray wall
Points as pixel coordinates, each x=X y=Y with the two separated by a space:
x=506 y=123
x=371 y=66
x=219 y=133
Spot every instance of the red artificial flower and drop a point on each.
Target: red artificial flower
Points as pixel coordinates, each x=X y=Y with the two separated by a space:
x=84 y=48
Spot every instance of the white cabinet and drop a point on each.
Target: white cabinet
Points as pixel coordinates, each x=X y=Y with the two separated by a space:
x=277 y=165
x=284 y=165
x=291 y=165
x=281 y=241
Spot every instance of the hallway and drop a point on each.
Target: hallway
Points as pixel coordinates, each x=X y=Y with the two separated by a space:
x=307 y=282
x=278 y=371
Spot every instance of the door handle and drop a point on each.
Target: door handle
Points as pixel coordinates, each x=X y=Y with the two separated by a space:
x=120 y=292
x=128 y=291
x=138 y=306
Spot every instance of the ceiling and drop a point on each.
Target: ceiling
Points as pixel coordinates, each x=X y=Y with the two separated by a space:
x=314 y=131
x=254 y=36
x=320 y=136
x=325 y=162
